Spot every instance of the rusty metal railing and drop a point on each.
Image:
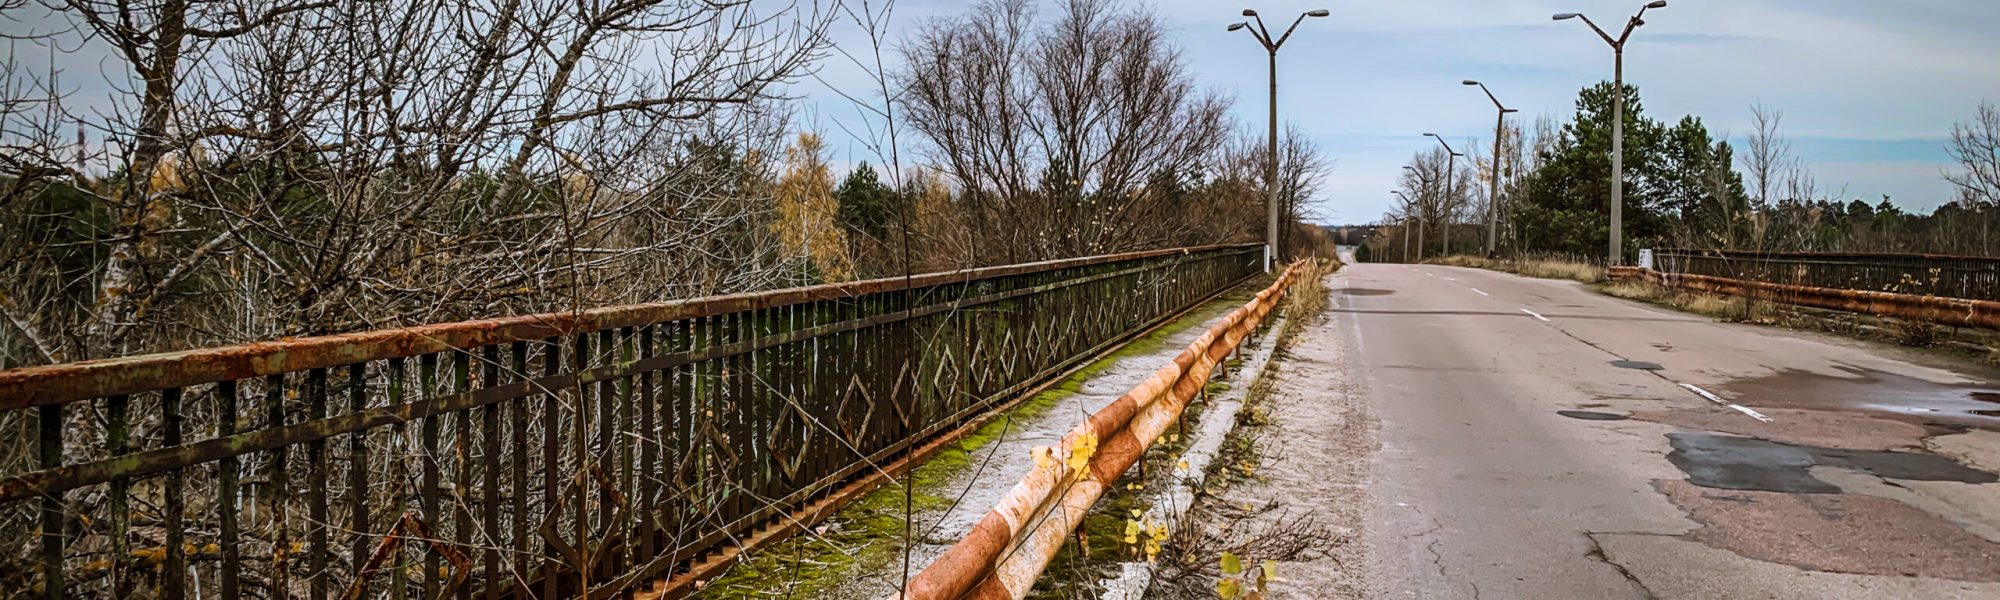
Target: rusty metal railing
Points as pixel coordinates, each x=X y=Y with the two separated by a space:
x=1008 y=548
x=543 y=456
x=1969 y=278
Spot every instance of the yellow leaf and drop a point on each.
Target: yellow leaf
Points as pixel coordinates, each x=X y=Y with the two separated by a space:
x=1231 y=565
x=1080 y=453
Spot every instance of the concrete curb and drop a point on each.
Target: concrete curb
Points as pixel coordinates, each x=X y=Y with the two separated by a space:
x=1171 y=505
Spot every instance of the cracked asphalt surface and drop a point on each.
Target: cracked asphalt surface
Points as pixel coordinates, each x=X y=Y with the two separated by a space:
x=1473 y=486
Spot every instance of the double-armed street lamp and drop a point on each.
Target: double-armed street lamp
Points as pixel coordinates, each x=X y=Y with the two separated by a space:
x=1617 y=121
x=1493 y=191
x=1450 y=178
x=1263 y=36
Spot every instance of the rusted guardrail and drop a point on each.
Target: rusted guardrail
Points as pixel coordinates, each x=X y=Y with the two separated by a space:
x=544 y=456
x=1006 y=551
x=1933 y=309
x=1965 y=277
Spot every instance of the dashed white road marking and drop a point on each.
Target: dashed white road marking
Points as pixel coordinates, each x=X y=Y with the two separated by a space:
x=1428 y=274
x=1712 y=398
x=1535 y=315
x=1451 y=279
x=1481 y=293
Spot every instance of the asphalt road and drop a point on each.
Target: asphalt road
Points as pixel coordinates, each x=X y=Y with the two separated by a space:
x=1871 y=477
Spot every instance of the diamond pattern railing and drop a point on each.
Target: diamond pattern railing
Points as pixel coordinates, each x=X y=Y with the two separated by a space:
x=541 y=456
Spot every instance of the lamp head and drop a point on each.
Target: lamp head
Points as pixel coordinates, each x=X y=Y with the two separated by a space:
x=1430 y=135
x=1249 y=13
x=1566 y=16
x=1471 y=82
x=1657 y=4
x=1236 y=26
x=1318 y=13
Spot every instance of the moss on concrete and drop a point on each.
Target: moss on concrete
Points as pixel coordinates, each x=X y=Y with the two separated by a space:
x=866 y=536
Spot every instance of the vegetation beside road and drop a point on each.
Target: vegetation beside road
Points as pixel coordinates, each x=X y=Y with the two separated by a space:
x=1538 y=268
x=867 y=537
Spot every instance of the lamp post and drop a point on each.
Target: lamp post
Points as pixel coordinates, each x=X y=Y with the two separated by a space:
x=1423 y=224
x=1617 y=255
x=1408 y=207
x=1450 y=179
x=1263 y=36
x=1493 y=195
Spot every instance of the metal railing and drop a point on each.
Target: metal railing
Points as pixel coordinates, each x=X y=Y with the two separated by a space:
x=545 y=456
x=1969 y=278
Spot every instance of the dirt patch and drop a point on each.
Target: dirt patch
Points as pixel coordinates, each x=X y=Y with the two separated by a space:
x=1312 y=438
x=1835 y=532
x=1853 y=431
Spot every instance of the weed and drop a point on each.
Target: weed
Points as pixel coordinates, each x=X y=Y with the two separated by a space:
x=1528 y=267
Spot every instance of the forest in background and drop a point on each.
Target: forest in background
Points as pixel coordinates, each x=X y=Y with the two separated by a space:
x=1685 y=187
x=278 y=168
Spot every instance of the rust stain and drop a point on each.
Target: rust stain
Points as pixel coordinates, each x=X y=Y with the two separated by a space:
x=54 y=384
x=1934 y=309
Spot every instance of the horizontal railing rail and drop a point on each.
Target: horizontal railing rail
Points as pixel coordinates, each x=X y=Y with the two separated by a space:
x=1970 y=278
x=546 y=456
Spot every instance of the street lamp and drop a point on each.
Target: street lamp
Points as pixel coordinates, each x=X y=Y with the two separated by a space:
x=1423 y=224
x=1493 y=196
x=1450 y=179
x=1617 y=122
x=1408 y=211
x=1263 y=36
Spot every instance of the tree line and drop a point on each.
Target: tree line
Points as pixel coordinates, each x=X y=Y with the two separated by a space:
x=1685 y=187
x=258 y=169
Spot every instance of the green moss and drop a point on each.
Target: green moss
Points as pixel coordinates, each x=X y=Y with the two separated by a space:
x=867 y=535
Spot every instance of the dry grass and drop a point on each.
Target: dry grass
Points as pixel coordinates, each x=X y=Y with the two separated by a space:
x=1306 y=299
x=1537 y=268
x=1727 y=308
x=1561 y=270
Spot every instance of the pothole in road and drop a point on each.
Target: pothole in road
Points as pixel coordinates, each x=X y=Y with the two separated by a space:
x=1637 y=365
x=1591 y=415
x=1740 y=463
x=1842 y=533
x=1905 y=398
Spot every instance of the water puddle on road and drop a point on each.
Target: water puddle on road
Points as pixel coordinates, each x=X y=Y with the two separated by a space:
x=1591 y=415
x=1740 y=463
x=1867 y=390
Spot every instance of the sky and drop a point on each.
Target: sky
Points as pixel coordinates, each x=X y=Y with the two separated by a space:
x=1870 y=89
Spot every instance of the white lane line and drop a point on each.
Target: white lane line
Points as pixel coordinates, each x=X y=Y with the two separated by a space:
x=1535 y=315
x=1450 y=279
x=1712 y=398
x=1481 y=293
x=1428 y=274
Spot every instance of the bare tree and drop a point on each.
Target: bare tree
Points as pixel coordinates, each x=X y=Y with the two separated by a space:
x=333 y=166
x=1976 y=146
x=1769 y=153
x=1062 y=136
